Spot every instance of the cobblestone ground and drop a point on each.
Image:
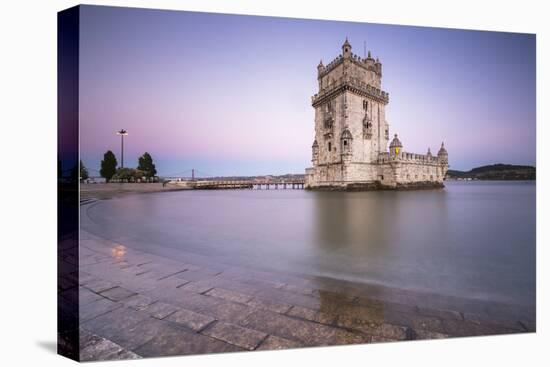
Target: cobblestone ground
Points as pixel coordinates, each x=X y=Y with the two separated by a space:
x=134 y=304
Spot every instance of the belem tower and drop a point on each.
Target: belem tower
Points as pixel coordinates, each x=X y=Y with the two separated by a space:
x=351 y=133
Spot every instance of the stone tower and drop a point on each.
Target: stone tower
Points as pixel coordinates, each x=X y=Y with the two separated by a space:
x=350 y=147
x=350 y=122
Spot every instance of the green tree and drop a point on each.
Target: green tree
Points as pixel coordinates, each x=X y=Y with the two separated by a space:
x=146 y=165
x=128 y=174
x=108 y=165
x=83 y=172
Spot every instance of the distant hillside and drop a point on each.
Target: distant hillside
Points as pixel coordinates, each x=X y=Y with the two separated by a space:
x=495 y=172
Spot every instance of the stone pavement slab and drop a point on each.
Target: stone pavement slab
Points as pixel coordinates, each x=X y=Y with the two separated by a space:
x=93 y=309
x=175 y=341
x=86 y=296
x=229 y=295
x=275 y=343
x=229 y=312
x=138 y=302
x=312 y=315
x=95 y=348
x=117 y=294
x=236 y=335
x=269 y=305
x=425 y=334
x=160 y=310
x=274 y=294
x=415 y=321
x=200 y=286
x=140 y=333
x=100 y=285
x=466 y=328
x=112 y=324
x=189 y=300
x=191 y=320
x=308 y=333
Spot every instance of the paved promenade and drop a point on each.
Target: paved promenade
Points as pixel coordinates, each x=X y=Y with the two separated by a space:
x=110 y=190
x=134 y=304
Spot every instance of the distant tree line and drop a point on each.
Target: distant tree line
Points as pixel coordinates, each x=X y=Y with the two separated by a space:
x=146 y=169
x=496 y=172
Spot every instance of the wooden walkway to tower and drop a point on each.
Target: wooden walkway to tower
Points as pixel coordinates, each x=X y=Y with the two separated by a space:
x=239 y=184
x=214 y=183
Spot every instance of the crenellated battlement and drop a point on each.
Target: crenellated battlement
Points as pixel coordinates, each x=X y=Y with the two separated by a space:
x=324 y=70
x=367 y=63
x=385 y=157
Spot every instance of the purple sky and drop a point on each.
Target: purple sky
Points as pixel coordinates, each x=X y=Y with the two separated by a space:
x=230 y=95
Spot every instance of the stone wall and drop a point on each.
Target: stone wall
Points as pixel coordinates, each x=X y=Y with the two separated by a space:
x=366 y=147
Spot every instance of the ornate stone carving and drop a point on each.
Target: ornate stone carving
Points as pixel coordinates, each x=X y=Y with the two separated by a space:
x=367 y=128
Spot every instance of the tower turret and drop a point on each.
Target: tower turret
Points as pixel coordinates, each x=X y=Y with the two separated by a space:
x=346 y=49
x=378 y=67
x=369 y=61
x=395 y=146
x=315 y=153
x=443 y=155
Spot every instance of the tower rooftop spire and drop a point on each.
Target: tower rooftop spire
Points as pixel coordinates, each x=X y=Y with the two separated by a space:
x=346 y=43
x=442 y=150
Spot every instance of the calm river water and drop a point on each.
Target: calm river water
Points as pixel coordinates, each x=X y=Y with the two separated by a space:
x=471 y=239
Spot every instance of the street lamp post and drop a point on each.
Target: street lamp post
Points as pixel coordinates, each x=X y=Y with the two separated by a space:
x=122 y=133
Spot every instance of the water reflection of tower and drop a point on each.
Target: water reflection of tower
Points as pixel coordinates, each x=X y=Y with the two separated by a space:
x=352 y=231
x=330 y=218
x=387 y=236
x=356 y=223
x=371 y=225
